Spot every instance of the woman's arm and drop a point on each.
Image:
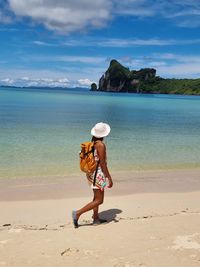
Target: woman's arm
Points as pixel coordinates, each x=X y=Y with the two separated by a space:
x=101 y=151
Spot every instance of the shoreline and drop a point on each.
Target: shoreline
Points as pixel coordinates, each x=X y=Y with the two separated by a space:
x=87 y=89
x=125 y=183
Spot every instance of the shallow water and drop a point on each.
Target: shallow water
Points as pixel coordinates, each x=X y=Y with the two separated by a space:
x=41 y=130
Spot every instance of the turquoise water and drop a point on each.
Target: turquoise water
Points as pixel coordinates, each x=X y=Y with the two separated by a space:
x=40 y=130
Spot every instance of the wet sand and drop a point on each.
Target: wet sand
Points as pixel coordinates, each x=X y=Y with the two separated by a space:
x=134 y=182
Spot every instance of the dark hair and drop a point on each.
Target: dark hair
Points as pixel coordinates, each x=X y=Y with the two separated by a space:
x=94 y=139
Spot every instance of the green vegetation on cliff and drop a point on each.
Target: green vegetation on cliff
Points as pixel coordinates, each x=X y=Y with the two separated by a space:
x=120 y=79
x=93 y=87
x=172 y=86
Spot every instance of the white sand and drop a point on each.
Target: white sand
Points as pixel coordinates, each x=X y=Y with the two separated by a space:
x=144 y=229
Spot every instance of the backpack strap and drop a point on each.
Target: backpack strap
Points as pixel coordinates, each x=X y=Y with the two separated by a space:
x=95 y=175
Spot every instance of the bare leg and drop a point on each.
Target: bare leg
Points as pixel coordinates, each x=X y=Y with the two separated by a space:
x=96 y=209
x=96 y=213
x=98 y=200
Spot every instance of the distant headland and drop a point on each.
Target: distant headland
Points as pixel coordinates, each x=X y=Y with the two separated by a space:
x=118 y=78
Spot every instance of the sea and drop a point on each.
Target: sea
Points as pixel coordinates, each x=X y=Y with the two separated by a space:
x=41 y=130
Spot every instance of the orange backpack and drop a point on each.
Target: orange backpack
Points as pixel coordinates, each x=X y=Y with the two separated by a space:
x=87 y=159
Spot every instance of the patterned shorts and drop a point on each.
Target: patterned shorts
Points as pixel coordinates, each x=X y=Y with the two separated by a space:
x=100 y=180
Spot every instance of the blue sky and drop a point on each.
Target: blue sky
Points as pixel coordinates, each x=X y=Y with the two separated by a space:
x=70 y=42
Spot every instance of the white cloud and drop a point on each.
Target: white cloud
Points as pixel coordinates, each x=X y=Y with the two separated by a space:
x=81 y=59
x=26 y=81
x=64 y=80
x=40 y=43
x=190 y=23
x=133 y=7
x=168 y=65
x=167 y=56
x=82 y=15
x=155 y=64
x=69 y=72
x=72 y=59
x=85 y=82
x=134 y=42
x=175 y=8
x=187 y=70
x=25 y=78
x=185 y=13
x=72 y=75
x=177 y=65
x=7 y=81
x=64 y=16
x=122 y=43
x=177 y=57
x=45 y=82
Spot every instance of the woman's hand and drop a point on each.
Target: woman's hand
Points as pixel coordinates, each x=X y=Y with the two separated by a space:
x=110 y=182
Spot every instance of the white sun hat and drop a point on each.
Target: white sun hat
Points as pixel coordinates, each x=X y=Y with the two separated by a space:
x=100 y=130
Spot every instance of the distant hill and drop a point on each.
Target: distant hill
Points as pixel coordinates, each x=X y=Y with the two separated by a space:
x=118 y=78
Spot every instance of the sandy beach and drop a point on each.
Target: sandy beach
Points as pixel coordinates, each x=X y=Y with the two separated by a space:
x=153 y=220
x=114 y=84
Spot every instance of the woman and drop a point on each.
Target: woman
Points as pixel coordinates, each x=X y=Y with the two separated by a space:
x=99 y=131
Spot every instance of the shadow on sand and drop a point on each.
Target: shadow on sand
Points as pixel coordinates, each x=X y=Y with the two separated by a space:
x=109 y=215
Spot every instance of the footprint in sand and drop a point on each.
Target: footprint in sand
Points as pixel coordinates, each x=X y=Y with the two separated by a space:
x=69 y=251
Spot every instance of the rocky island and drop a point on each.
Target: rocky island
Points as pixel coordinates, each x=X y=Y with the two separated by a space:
x=118 y=78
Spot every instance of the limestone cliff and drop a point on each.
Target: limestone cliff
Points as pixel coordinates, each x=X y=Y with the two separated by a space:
x=120 y=79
